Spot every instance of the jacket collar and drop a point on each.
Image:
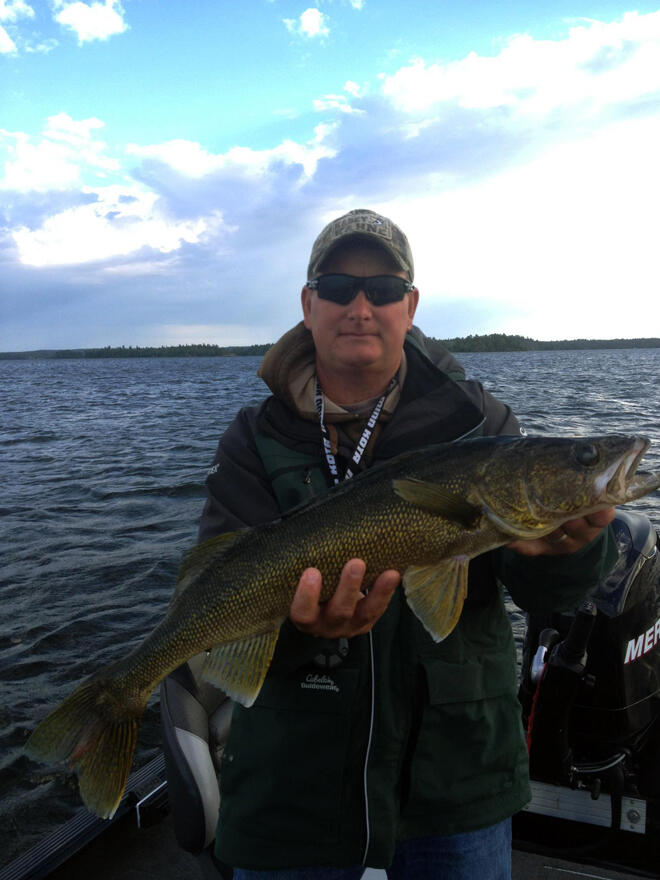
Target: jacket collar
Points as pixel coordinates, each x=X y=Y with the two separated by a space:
x=433 y=407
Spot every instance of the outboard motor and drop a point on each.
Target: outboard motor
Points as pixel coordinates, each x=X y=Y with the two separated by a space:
x=590 y=684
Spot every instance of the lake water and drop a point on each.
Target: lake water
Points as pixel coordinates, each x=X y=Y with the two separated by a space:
x=102 y=464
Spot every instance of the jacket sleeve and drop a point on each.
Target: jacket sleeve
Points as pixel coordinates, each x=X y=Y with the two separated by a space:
x=542 y=584
x=238 y=492
x=499 y=418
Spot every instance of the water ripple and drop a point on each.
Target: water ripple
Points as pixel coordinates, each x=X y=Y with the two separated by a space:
x=103 y=464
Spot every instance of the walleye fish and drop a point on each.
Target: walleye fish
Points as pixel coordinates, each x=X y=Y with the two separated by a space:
x=425 y=513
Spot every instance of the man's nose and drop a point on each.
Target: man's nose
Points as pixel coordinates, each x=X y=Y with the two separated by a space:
x=360 y=305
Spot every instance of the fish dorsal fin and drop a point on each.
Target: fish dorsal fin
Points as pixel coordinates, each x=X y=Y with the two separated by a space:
x=196 y=559
x=437 y=500
x=436 y=594
x=239 y=668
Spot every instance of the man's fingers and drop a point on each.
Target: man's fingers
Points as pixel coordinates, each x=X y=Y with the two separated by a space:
x=587 y=527
x=341 y=606
x=570 y=537
x=304 y=610
x=601 y=518
x=349 y=612
x=373 y=606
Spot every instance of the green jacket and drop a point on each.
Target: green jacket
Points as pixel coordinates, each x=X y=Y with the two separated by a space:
x=354 y=744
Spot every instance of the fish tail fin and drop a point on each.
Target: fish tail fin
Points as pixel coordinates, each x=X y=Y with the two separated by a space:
x=96 y=731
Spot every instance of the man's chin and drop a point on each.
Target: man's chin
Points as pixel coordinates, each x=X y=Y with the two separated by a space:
x=362 y=360
x=360 y=347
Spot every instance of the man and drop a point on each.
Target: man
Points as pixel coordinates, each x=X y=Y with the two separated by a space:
x=369 y=743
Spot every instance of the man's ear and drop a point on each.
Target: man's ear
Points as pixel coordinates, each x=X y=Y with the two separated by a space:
x=413 y=301
x=306 y=302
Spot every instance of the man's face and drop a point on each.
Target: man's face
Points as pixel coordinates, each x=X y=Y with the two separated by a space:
x=360 y=335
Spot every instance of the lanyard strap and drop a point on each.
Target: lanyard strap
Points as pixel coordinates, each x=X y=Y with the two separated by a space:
x=319 y=400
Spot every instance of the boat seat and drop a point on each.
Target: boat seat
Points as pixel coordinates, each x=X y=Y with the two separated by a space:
x=195 y=719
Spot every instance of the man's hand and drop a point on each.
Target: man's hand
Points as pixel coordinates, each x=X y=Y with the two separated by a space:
x=348 y=612
x=572 y=536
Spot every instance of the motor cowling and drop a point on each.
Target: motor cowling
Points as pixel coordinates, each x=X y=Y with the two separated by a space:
x=590 y=682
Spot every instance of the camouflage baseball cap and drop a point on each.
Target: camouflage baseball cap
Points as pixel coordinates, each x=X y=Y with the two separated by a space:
x=365 y=224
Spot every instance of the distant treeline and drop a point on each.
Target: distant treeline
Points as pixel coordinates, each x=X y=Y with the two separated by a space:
x=488 y=342
x=504 y=342
x=137 y=351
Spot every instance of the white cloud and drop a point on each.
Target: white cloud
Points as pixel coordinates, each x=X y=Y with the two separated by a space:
x=342 y=103
x=357 y=4
x=335 y=102
x=188 y=157
x=95 y=21
x=353 y=88
x=42 y=47
x=7 y=45
x=14 y=40
x=312 y=23
x=598 y=63
x=119 y=223
x=37 y=167
x=134 y=267
x=191 y=159
x=559 y=243
x=12 y=10
x=59 y=159
x=63 y=127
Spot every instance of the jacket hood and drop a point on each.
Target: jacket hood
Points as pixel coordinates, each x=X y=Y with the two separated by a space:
x=293 y=355
x=437 y=353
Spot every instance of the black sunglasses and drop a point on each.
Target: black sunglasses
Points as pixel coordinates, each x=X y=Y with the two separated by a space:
x=378 y=289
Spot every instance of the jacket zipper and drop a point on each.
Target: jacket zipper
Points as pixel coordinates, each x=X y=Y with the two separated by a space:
x=368 y=751
x=307 y=482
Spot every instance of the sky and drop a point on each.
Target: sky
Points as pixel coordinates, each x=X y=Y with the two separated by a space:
x=165 y=165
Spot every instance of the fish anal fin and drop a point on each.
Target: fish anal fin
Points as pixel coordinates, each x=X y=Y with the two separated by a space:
x=239 y=668
x=437 y=500
x=436 y=594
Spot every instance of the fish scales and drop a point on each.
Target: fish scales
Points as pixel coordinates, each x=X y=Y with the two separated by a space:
x=425 y=514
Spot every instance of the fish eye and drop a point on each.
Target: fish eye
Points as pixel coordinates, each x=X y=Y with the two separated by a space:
x=587 y=454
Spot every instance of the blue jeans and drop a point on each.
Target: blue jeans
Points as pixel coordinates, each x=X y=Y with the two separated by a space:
x=473 y=855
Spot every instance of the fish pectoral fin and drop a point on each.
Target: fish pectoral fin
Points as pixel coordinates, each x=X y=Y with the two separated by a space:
x=437 y=500
x=436 y=594
x=239 y=668
x=197 y=559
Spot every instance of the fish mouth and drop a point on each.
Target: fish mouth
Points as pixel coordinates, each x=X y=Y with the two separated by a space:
x=621 y=482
